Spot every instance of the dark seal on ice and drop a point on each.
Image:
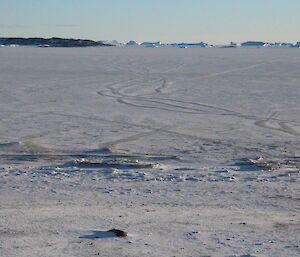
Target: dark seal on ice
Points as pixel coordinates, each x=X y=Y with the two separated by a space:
x=118 y=233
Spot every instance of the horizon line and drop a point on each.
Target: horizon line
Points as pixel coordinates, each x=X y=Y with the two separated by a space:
x=158 y=41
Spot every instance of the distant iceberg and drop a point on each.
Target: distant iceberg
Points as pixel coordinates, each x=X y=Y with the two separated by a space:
x=253 y=43
x=132 y=43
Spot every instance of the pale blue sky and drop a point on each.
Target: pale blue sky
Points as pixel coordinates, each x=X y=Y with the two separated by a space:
x=219 y=21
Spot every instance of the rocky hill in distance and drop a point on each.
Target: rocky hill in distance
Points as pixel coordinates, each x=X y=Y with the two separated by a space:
x=51 y=42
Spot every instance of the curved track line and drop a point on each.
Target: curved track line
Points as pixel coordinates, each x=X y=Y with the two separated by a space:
x=283 y=127
x=125 y=100
x=211 y=75
x=137 y=136
x=115 y=90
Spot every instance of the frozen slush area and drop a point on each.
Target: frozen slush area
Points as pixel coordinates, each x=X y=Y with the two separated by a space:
x=192 y=152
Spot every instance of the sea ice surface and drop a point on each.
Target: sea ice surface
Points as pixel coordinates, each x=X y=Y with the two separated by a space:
x=192 y=152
